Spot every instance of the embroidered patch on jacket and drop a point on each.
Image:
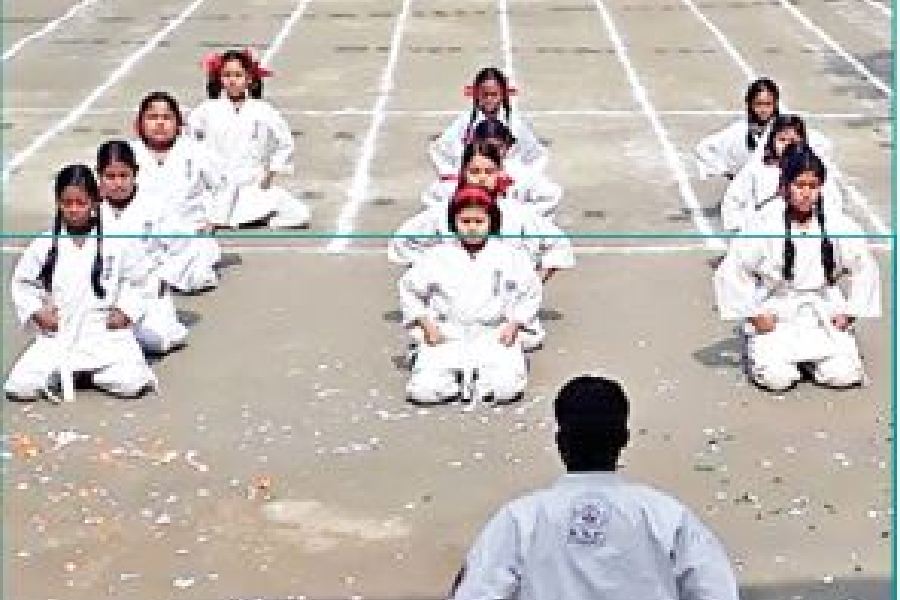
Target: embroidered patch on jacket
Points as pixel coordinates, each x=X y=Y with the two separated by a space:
x=589 y=522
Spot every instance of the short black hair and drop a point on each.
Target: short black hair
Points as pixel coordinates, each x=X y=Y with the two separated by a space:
x=592 y=417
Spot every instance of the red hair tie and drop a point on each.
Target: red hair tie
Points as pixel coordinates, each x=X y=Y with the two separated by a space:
x=259 y=71
x=473 y=194
x=469 y=91
x=450 y=177
x=212 y=63
x=504 y=182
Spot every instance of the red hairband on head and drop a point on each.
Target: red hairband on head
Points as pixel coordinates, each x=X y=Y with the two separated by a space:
x=213 y=63
x=469 y=91
x=474 y=194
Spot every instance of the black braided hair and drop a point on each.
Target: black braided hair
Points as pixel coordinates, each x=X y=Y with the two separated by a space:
x=762 y=84
x=790 y=251
x=97 y=269
x=45 y=276
x=79 y=176
x=781 y=123
x=170 y=101
x=828 y=261
x=798 y=159
x=483 y=76
x=214 y=80
x=493 y=129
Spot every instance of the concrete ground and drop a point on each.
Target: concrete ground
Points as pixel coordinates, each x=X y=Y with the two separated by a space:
x=279 y=458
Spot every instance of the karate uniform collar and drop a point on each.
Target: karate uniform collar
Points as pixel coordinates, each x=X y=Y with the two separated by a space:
x=583 y=477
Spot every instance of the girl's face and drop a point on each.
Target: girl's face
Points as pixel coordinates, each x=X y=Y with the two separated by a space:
x=489 y=96
x=785 y=138
x=763 y=106
x=482 y=171
x=117 y=182
x=473 y=224
x=159 y=124
x=235 y=79
x=803 y=192
x=76 y=207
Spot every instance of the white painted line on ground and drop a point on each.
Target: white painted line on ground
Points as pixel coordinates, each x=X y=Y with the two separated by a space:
x=855 y=195
x=837 y=48
x=671 y=155
x=124 y=67
x=281 y=36
x=505 y=41
x=359 y=185
x=48 y=28
x=885 y=10
x=353 y=112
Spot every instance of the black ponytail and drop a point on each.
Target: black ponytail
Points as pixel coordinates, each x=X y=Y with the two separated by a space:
x=45 y=276
x=97 y=269
x=790 y=251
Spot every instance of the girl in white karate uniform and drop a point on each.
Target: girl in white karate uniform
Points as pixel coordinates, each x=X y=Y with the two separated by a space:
x=80 y=293
x=179 y=172
x=251 y=141
x=490 y=93
x=522 y=225
x=521 y=181
x=757 y=182
x=471 y=299
x=143 y=221
x=725 y=152
x=786 y=288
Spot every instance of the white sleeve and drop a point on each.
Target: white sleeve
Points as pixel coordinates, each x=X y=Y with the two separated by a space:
x=446 y=151
x=712 y=153
x=738 y=200
x=212 y=172
x=864 y=293
x=733 y=280
x=414 y=289
x=534 y=154
x=405 y=248
x=133 y=277
x=553 y=247
x=527 y=303
x=282 y=151
x=493 y=566
x=543 y=193
x=28 y=295
x=702 y=568
x=197 y=122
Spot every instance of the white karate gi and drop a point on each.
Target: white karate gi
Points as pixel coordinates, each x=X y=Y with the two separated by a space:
x=158 y=331
x=83 y=342
x=446 y=151
x=470 y=298
x=725 y=152
x=756 y=184
x=247 y=142
x=188 y=178
x=749 y=282
x=596 y=535
x=521 y=225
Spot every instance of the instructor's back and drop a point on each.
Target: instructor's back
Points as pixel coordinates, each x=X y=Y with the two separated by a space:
x=593 y=534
